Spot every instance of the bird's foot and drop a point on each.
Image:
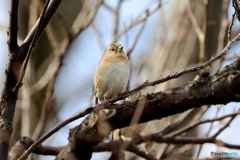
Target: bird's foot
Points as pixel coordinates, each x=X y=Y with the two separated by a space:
x=107 y=101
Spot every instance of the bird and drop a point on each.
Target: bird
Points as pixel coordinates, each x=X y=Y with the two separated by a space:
x=112 y=75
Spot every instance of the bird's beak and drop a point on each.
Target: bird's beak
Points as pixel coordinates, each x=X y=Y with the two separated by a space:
x=120 y=49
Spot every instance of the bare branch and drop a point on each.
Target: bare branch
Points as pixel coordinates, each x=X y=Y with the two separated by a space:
x=107 y=6
x=178 y=74
x=222 y=32
x=54 y=130
x=116 y=18
x=111 y=146
x=138 y=35
x=18 y=149
x=230 y=26
x=224 y=127
x=191 y=126
x=53 y=6
x=13 y=27
x=193 y=19
x=135 y=22
x=77 y=29
x=33 y=43
x=133 y=148
x=8 y=98
x=199 y=32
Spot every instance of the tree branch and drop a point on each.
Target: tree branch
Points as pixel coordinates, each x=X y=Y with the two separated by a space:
x=54 y=130
x=135 y=22
x=79 y=26
x=191 y=126
x=202 y=90
x=13 y=27
x=33 y=43
x=138 y=35
x=176 y=75
x=18 y=149
x=170 y=139
x=221 y=88
x=52 y=8
x=230 y=26
x=101 y=147
x=8 y=98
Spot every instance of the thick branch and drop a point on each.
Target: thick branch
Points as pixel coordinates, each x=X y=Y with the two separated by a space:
x=13 y=27
x=178 y=74
x=8 y=99
x=85 y=136
x=221 y=88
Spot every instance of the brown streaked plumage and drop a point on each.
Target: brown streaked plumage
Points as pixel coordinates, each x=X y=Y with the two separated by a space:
x=112 y=74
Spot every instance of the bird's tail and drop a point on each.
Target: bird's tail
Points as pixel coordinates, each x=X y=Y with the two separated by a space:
x=96 y=101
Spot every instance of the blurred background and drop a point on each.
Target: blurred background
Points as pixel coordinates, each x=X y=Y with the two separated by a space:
x=161 y=36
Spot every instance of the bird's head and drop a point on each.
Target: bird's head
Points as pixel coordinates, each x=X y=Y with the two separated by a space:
x=115 y=49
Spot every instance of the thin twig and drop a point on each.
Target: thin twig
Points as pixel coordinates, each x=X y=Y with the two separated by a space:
x=135 y=22
x=170 y=139
x=178 y=74
x=133 y=148
x=54 y=130
x=222 y=32
x=191 y=126
x=101 y=147
x=32 y=45
x=207 y=134
x=230 y=26
x=130 y=131
x=81 y=23
x=199 y=32
x=224 y=127
x=98 y=35
x=107 y=6
x=138 y=35
x=116 y=17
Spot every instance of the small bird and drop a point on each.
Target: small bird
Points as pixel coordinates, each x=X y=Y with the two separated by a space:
x=112 y=75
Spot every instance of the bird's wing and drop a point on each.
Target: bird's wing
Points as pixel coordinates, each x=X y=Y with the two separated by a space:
x=98 y=79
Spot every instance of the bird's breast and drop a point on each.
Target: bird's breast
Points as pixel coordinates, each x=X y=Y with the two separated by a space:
x=115 y=59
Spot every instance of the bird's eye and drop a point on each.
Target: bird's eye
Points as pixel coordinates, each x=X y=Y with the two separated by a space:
x=113 y=49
